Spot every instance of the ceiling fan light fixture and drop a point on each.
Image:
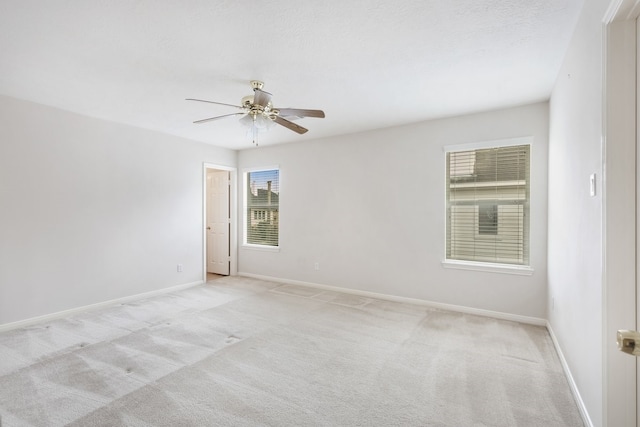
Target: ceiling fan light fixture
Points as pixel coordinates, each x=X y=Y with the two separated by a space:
x=256 y=122
x=246 y=120
x=260 y=121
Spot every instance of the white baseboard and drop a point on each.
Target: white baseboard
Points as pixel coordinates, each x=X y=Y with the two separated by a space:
x=451 y=307
x=572 y=384
x=59 y=314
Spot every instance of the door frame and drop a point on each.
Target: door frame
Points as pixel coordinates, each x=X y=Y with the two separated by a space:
x=233 y=229
x=619 y=209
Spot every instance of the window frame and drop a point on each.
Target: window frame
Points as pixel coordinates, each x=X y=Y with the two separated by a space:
x=518 y=269
x=245 y=208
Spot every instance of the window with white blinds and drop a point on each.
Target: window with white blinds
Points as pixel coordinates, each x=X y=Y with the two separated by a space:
x=262 y=204
x=488 y=205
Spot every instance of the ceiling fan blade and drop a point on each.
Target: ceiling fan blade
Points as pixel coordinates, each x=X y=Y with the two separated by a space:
x=290 y=125
x=299 y=112
x=261 y=97
x=210 y=119
x=213 y=102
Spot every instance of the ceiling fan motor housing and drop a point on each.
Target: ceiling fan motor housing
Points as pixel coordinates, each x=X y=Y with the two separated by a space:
x=247 y=101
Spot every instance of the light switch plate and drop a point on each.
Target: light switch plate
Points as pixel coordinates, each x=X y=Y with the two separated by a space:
x=592 y=184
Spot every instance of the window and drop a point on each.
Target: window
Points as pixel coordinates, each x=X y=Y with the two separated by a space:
x=262 y=197
x=487 y=196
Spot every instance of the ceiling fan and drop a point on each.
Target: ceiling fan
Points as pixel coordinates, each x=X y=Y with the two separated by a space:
x=259 y=113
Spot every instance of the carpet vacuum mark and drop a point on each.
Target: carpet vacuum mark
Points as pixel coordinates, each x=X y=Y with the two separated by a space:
x=246 y=352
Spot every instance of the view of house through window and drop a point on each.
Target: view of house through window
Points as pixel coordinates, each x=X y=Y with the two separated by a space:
x=488 y=205
x=262 y=205
x=488 y=218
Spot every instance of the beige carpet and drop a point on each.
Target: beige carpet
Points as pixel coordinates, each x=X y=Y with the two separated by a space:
x=244 y=352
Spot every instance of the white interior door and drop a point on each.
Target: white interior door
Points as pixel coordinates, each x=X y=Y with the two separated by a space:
x=218 y=222
x=637 y=210
x=620 y=214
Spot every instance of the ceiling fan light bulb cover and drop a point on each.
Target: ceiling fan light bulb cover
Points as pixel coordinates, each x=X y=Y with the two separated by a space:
x=263 y=122
x=246 y=120
x=258 y=121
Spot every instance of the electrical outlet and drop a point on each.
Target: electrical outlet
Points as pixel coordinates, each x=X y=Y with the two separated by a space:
x=316 y=265
x=180 y=268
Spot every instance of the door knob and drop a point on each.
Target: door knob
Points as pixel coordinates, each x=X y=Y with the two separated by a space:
x=629 y=342
x=208 y=228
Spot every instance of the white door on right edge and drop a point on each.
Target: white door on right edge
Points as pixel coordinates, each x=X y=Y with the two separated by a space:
x=637 y=211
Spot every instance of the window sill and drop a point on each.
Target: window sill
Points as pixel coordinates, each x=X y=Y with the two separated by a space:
x=263 y=248
x=520 y=270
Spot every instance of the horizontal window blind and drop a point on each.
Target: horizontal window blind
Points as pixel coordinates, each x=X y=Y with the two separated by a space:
x=262 y=207
x=488 y=205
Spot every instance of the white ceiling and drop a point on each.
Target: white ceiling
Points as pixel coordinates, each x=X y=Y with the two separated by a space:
x=368 y=64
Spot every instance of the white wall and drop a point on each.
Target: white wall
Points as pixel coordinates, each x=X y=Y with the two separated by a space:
x=370 y=209
x=575 y=218
x=92 y=210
